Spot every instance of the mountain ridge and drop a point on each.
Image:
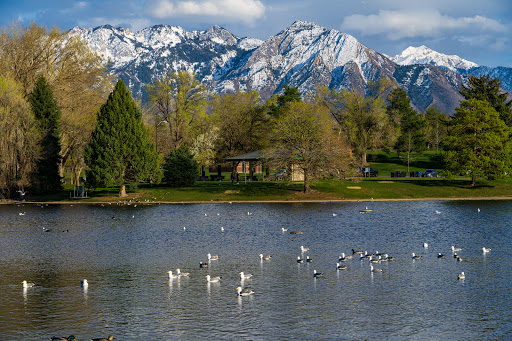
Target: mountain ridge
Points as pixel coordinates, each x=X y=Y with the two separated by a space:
x=302 y=55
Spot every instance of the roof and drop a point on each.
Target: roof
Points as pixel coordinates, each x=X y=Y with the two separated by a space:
x=252 y=156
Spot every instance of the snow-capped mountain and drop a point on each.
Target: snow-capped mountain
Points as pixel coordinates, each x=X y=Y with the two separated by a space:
x=303 y=55
x=424 y=55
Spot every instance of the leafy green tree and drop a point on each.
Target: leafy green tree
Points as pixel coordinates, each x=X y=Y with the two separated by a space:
x=241 y=120
x=179 y=99
x=412 y=126
x=180 y=168
x=47 y=114
x=486 y=89
x=362 y=118
x=78 y=77
x=478 y=142
x=305 y=139
x=120 y=151
x=437 y=126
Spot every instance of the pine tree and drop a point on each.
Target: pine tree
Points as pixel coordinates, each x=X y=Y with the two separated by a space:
x=47 y=114
x=486 y=89
x=120 y=151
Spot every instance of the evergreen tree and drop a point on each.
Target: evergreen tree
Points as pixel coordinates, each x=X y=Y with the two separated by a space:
x=180 y=168
x=478 y=142
x=47 y=114
x=278 y=102
x=486 y=89
x=120 y=151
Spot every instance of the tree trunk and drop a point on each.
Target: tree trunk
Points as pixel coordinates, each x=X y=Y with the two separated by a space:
x=122 y=191
x=473 y=179
x=307 y=189
x=363 y=160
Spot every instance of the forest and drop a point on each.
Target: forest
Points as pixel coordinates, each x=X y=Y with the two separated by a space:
x=65 y=118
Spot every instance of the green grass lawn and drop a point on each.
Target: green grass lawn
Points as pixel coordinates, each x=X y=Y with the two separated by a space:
x=382 y=187
x=323 y=190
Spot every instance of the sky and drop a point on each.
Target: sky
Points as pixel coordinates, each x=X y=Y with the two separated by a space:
x=476 y=30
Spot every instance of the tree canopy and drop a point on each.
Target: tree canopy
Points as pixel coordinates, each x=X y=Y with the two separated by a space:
x=488 y=89
x=47 y=115
x=180 y=168
x=478 y=142
x=305 y=139
x=120 y=151
x=19 y=145
x=179 y=99
x=361 y=118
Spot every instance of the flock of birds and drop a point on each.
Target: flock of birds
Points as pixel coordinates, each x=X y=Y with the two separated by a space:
x=341 y=264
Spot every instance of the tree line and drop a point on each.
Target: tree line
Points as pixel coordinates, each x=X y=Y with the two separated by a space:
x=61 y=111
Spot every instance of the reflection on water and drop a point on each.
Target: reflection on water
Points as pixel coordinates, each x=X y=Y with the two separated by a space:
x=125 y=254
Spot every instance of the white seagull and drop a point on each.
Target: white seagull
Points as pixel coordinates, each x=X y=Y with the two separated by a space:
x=243 y=292
x=182 y=274
x=210 y=279
x=267 y=257
x=462 y=275
x=245 y=276
x=210 y=257
x=27 y=285
x=485 y=250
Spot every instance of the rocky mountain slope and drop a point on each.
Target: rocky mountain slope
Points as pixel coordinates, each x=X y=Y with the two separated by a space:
x=303 y=55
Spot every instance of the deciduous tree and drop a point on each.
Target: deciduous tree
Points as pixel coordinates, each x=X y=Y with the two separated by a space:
x=304 y=137
x=179 y=99
x=78 y=77
x=412 y=126
x=19 y=146
x=437 y=126
x=361 y=118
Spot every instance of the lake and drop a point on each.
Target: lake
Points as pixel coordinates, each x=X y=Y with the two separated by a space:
x=125 y=252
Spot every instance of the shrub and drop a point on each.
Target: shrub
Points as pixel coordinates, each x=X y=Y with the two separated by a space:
x=180 y=168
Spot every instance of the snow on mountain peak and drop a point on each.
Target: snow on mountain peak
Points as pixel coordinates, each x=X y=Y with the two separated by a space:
x=424 y=55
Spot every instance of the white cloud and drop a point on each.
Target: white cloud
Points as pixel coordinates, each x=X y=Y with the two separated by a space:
x=236 y=10
x=416 y=23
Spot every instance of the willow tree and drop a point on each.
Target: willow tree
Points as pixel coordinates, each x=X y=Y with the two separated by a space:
x=120 y=151
x=478 y=142
x=78 y=78
x=178 y=99
x=19 y=143
x=305 y=138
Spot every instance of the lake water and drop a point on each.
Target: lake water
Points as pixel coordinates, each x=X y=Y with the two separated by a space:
x=125 y=252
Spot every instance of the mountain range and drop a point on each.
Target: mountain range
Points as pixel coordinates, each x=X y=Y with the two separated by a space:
x=302 y=55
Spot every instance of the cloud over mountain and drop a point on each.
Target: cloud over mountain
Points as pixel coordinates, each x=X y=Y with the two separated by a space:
x=236 y=10
x=417 y=22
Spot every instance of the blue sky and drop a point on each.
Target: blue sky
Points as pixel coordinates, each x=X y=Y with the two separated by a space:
x=476 y=30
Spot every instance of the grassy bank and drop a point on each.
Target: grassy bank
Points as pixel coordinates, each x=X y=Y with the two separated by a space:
x=380 y=188
x=323 y=190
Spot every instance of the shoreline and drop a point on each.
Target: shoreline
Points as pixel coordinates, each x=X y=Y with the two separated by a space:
x=295 y=201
